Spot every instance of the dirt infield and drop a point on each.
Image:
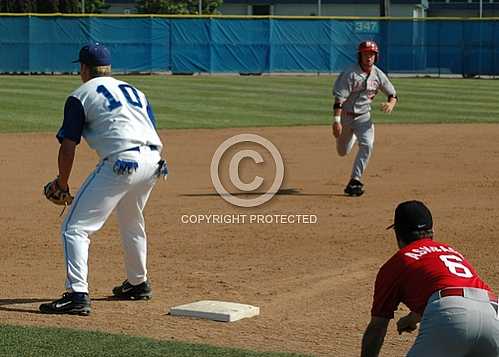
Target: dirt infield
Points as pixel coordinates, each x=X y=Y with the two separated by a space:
x=313 y=282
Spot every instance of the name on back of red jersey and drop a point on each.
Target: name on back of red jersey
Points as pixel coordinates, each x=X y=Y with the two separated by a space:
x=417 y=253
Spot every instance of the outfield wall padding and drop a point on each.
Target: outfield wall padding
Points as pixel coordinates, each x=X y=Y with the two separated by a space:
x=45 y=44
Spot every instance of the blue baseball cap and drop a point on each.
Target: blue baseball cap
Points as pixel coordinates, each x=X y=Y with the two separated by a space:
x=94 y=54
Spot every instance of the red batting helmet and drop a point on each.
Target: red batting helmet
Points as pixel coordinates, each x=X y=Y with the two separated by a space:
x=368 y=46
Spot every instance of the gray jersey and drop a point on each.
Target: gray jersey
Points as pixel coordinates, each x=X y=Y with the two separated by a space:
x=357 y=89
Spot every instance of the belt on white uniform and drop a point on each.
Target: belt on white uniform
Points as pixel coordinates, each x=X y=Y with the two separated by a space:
x=472 y=293
x=355 y=115
x=137 y=148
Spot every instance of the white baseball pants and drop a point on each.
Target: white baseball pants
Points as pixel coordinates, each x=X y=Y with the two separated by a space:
x=100 y=194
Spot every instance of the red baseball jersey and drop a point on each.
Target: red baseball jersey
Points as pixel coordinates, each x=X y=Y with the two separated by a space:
x=417 y=271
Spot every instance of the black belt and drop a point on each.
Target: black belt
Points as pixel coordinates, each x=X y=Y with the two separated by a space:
x=137 y=148
x=355 y=115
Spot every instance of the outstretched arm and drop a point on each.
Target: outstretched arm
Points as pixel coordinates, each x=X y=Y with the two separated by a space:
x=388 y=106
x=336 y=125
x=341 y=91
x=408 y=323
x=387 y=88
x=69 y=135
x=65 y=161
x=374 y=336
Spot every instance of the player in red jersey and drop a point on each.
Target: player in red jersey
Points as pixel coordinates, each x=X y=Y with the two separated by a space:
x=457 y=310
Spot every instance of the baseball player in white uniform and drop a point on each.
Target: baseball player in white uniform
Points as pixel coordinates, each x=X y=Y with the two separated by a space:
x=353 y=92
x=117 y=121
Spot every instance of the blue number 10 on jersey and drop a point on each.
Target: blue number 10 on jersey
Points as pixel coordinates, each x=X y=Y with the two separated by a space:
x=125 y=89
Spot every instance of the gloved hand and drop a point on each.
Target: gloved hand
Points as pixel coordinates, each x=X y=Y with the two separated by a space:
x=56 y=194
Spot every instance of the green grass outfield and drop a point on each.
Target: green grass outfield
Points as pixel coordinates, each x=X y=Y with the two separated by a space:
x=51 y=342
x=35 y=103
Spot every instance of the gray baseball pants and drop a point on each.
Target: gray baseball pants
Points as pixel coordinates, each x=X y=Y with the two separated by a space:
x=354 y=129
x=458 y=326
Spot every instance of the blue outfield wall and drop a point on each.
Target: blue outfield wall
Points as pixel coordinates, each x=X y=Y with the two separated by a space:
x=249 y=45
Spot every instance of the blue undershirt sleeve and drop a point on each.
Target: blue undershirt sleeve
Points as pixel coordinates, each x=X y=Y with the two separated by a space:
x=150 y=113
x=74 y=119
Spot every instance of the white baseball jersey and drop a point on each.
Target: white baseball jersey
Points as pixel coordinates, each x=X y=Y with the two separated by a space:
x=116 y=116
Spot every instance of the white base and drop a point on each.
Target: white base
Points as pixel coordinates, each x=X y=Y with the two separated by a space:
x=216 y=310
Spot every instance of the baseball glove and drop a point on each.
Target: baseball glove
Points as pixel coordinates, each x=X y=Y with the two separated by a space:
x=55 y=194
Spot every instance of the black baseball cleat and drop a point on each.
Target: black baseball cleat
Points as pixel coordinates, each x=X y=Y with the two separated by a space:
x=127 y=291
x=354 y=188
x=70 y=303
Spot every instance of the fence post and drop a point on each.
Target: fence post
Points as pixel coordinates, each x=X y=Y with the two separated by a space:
x=439 y=48
x=270 y=20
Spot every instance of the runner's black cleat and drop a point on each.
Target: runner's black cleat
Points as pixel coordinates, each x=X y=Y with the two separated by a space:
x=354 y=188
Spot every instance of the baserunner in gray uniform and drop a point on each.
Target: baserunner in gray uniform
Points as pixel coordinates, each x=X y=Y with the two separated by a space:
x=353 y=92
